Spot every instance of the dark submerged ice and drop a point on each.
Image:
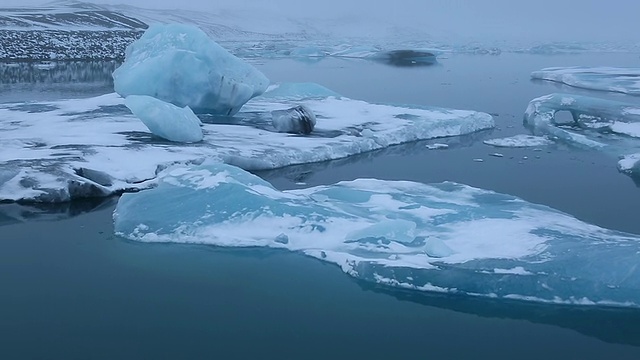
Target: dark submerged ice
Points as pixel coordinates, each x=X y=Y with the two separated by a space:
x=406 y=58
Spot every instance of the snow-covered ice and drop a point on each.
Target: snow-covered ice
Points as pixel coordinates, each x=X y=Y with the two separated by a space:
x=520 y=140
x=180 y=64
x=440 y=237
x=606 y=125
x=624 y=80
x=57 y=151
x=630 y=164
x=588 y=115
x=166 y=120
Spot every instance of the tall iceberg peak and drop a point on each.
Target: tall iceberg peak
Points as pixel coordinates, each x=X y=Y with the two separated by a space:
x=439 y=237
x=180 y=64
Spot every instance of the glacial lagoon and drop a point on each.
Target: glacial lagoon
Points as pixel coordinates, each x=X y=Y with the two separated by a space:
x=79 y=290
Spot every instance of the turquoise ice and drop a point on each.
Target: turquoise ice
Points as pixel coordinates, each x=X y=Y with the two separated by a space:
x=180 y=64
x=166 y=120
x=607 y=125
x=444 y=237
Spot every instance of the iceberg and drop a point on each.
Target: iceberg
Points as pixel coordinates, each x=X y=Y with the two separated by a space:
x=623 y=80
x=63 y=150
x=587 y=114
x=630 y=164
x=606 y=125
x=166 y=120
x=181 y=65
x=444 y=237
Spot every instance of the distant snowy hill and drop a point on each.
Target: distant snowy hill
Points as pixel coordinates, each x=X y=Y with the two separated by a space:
x=76 y=30
x=65 y=30
x=67 y=15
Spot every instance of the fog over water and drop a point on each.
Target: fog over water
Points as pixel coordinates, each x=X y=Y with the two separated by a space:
x=482 y=20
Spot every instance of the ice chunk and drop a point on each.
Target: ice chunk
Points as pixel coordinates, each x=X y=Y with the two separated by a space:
x=624 y=80
x=442 y=237
x=588 y=114
x=180 y=64
x=520 y=140
x=606 y=125
x=437 y=146
x=630 y=164
x=48 y=147
x=297 y=120
x=166 y=120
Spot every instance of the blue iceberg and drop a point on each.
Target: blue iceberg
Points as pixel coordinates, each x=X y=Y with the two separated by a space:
x=180 y=64
x=607 y=125
x=166 y=120
x=623 y=80
x=444 y=237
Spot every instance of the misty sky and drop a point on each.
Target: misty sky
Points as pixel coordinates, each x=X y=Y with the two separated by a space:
x=545 y=20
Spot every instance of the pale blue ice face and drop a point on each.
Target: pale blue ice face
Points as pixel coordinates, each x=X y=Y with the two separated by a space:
x=180 y=64
x=442 y=237
x=166 y=120
x=608 y=125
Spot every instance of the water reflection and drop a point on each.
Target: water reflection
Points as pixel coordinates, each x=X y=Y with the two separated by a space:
x=15 y=213
x=612 y=325
x=28 y=81
x=296 y=176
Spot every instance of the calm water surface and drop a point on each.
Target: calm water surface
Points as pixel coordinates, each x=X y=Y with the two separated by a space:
x=71 y=290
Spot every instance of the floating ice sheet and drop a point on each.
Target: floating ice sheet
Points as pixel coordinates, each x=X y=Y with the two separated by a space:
x=607 y=125
x=57 y=151
x=624 y=80
x=443 y=237
x=520 y=140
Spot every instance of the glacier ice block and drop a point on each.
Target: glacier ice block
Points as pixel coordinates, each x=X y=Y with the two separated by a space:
x=180 y=64
x=444 y=237
x=607 y=125
x=166 y=120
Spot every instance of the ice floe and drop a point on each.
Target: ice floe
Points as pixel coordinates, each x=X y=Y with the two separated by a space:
x=62 y=150
x=607 y=125
x=443 y=237
x=520 y=140
x=624 y=80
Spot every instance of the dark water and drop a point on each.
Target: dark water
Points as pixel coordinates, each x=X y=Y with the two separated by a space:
x=71 y=290
x=42 y=81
